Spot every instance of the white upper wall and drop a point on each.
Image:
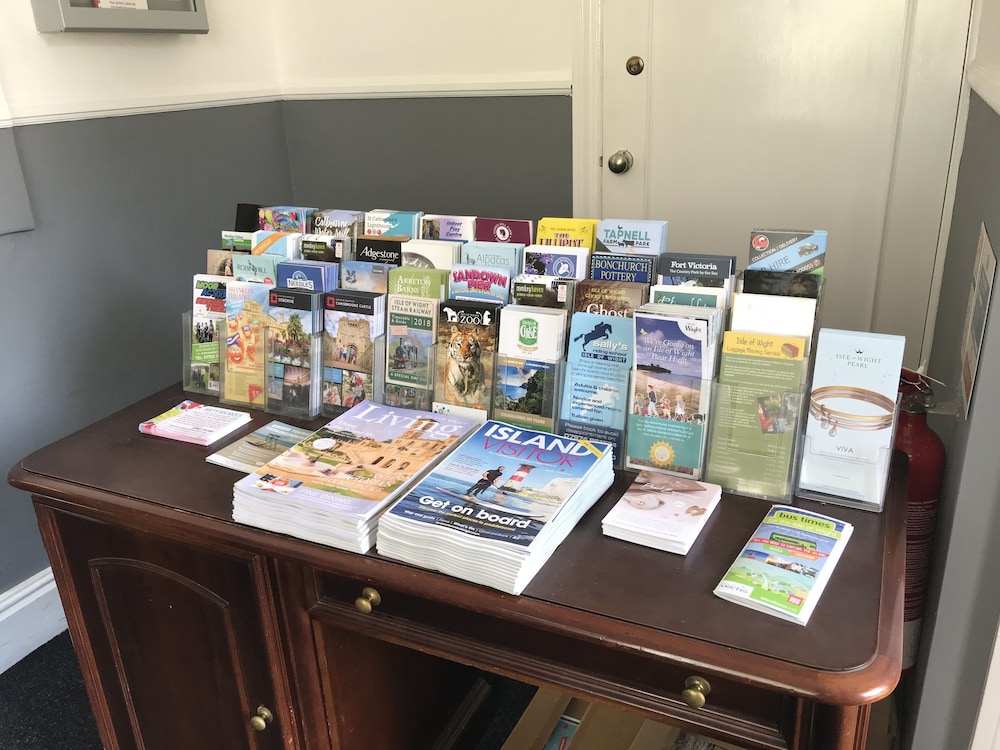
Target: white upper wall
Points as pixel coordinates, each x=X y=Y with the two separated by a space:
x=258 y=50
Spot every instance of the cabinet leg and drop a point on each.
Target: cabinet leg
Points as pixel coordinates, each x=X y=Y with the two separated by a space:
x=842 y=727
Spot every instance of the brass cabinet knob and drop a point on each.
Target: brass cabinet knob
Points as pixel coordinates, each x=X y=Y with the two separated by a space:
x=264 y=717
x=369 y=599
x=695 y=690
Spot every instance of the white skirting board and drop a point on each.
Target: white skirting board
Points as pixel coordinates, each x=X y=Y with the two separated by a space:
x=30 y=616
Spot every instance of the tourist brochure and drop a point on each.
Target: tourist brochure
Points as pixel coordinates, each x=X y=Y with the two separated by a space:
x=192 y=422
x=494 y=510
x=330 y=487
x=852 y=416
x=662 y=511
x=787 y=562
x=252 y=451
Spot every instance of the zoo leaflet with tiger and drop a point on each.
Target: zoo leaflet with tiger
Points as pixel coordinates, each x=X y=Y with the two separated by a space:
x=465 y=360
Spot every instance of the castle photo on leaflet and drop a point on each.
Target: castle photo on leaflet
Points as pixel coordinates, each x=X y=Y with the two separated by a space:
x=357 y=465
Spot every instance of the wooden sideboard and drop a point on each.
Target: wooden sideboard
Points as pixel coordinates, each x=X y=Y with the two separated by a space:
x=194 y=631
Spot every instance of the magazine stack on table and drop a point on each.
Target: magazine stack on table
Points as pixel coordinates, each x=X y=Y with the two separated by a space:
x=493 y=511
x=332 y=486
x=662 y=511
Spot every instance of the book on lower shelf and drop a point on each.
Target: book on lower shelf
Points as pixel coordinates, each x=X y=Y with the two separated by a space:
x=786 y=564
x=331 y=487
x=193 y=422
x=493 y=511
x=662 y=511
x=252 y=451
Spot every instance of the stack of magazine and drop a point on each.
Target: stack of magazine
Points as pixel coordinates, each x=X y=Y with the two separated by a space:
x=662 y=511
x=493 y=511
x=332 y=486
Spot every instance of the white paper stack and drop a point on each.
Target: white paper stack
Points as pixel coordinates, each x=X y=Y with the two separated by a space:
x=496 y=508
x=662 y=511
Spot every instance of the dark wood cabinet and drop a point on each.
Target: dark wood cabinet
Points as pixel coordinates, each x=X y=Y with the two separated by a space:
x=187 y=623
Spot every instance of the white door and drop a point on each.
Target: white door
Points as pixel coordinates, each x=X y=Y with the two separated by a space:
x=781 y=114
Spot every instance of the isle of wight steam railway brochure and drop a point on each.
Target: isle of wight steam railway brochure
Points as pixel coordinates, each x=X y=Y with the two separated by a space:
x=252 y=451
x=852 y=415
x=786 y=564
x=191 y=422
x=662 y=511
x=494 y=509
x=599 y=364
x=330 y=487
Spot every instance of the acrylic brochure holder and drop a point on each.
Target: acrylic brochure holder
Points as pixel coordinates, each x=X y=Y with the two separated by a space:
x=594 y=406
x=847 y=447
x=353 y=377
x=754 y=440
x=294 y=374
x=526 y=392
x=667 y=423
x=201 y=348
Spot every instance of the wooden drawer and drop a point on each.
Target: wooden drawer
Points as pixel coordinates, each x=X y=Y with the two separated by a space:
x=544 y=654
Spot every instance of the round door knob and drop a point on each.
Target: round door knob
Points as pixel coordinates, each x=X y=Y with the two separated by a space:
x=264 y=717
x=369 y=599
x=695 y=690
x=620 y=161
x=634 y=65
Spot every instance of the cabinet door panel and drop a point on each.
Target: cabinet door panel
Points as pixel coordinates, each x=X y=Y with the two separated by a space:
x=177 y=638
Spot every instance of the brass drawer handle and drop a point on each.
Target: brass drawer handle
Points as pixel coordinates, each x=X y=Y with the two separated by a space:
x=695 y=690
x=369 y=599
x=264 y=717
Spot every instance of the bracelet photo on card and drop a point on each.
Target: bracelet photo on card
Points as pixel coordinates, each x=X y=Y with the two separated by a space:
x=831 y=419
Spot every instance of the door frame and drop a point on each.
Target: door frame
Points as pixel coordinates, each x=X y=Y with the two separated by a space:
x=921 y=190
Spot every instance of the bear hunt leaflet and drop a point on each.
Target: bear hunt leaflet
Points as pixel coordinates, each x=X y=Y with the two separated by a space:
x=598 y=368
x=466 y=352
x=672 y=384
x=192 y=422
x=786 y=564
x=756 y=413
x=662 y=511
x=493 y=511
x=244 y=361
x=294 y=352
x=331 y=487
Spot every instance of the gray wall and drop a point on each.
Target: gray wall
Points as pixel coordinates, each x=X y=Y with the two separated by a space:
x=125 y=207
x=963 y=598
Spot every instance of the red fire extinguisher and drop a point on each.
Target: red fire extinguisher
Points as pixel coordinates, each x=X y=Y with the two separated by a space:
x=927 y=455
